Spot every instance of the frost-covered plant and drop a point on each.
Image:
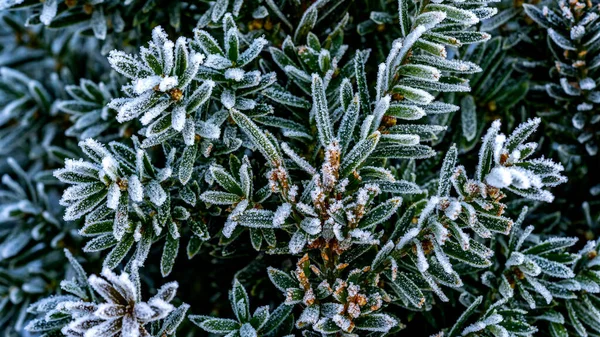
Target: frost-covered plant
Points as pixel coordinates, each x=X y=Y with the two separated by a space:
x=572 y=34
x=107 y=305
x=320 y=154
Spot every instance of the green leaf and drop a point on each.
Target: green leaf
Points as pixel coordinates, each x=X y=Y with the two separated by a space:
x=322 y=118
x=494 y=223
x=469 y=257
x=208 y=44
x=240 y=301
x=468 y=117
x=100 y=243
x=307 y=22
x=460 y=322
x=407 y=289
x=375 y=322
x=455 y=14
x=446 y=172
x=486 y=153
x=219 y=198
x=169 y=255
x=214 y=325
x=359 y=153
x=551 y=245
x=277 y=317
x=186 y=166
x=258 y=137
x=281 y=279
x=361 y=81
x=391 y=150
x=226 y=181
x=403 y=17
x=380 y=213
x=117 y=254
x=348 y=124
x=521 y=133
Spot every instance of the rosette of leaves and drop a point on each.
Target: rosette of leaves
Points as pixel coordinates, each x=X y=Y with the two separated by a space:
x=26 y=108
x=334 y=203
x=108 y=304
x=350 y=305
x=163 y=89
x=572 y=35
x=431 y=238
x=414 y=69
x=238 y=81
x=557 y=287
x=261 y=323
x=239 y=194
x=120 y=194
x=538 y=270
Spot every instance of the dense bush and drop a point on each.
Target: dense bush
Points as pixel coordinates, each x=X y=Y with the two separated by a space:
x=298 y=168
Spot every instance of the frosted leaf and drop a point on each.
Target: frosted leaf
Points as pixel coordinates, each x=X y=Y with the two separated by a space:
x=587 y=83
x=235 y=74
x=98 y=23
x=477 y=326
x=167 y=83
x=342 y=322
x=110 y=310
x=79 y=191
x=309 y=316
x=229 y=227
x=297 y=242
x=380 y=109
x=132 y=108
x=189 y=132
x=540 y=289
x=134 y=187
x=577 y=32
x=499 y=177
x=48 y=11
x=148 y=83
x=365 y=127
x=110 y=167
x=168 y=57
x=156 y=193
x=281 y=214
x=311 y=226
x=130 y=326
x=247 y=331
x=112 y=198
x=381 y=80
x=155 y=111
x=442 y=258
x=428 y=210
x=515 y=259
x=306 y=209
x=301 y=162
x=411 y=234
x=178 y=118
x=422 y=263
x=217 y=62
x=453 y=210
x=228 y=98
